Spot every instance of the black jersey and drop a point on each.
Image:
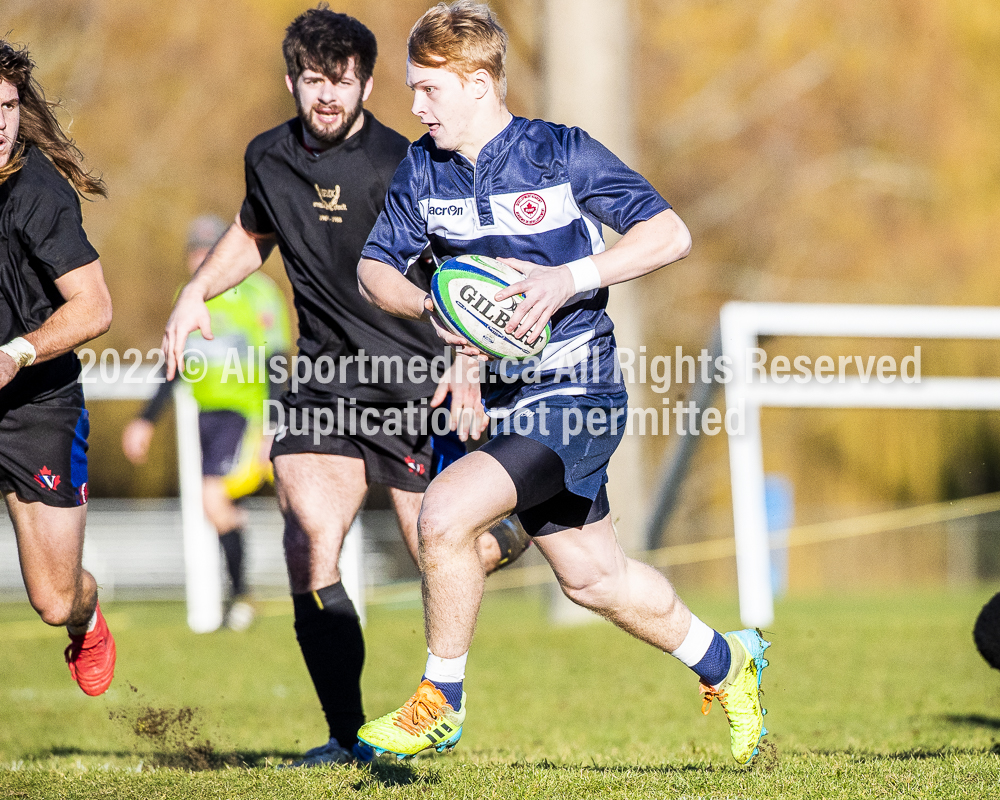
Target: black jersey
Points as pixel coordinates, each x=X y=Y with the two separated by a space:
x=322 y=207
x=41 y=239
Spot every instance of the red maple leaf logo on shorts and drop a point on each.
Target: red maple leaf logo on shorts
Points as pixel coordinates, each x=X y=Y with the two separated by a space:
x=46 y=479
x=414 y=465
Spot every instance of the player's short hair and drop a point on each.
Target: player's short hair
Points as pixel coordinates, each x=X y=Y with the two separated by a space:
x=461 y=37
x=325 y=41
x=39 y=125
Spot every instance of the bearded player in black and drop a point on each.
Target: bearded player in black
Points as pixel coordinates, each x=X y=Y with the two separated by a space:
x=315 y=186
x=52 y=298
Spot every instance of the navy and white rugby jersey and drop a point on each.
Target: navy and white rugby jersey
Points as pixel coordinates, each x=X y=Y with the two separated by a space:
x=539 y=192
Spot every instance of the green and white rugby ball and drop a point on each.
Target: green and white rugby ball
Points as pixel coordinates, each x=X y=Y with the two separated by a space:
x=464 y=289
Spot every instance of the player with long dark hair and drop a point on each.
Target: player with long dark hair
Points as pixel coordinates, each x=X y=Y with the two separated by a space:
x=52 y=299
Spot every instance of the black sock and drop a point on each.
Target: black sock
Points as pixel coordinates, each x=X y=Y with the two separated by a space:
x=232 y=547
x=329 y=634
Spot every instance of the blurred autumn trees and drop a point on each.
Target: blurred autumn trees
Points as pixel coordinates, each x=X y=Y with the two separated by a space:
x=819 y=150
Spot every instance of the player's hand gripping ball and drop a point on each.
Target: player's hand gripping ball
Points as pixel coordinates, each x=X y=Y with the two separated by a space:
x=986 y=632
x=463 y=289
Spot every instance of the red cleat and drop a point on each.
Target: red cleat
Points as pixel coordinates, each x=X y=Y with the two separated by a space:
x=91 y=658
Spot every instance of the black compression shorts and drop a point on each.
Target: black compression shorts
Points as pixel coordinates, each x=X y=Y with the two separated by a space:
x=544 y=504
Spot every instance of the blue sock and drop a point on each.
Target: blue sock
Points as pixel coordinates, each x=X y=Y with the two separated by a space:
x=453 y=692
x=714 y=665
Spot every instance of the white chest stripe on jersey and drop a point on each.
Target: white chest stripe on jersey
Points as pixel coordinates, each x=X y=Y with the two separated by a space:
x=502 y=412
x=519 y=213
x=452 y=218
x=564 y=354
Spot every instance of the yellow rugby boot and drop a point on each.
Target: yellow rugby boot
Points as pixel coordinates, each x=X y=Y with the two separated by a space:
x=426 y=720
x=739 y=694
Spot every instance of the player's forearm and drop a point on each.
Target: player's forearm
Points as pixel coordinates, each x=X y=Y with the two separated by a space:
x=385 y=287
x=85 y=315
x=235 y=256
x=648 y=246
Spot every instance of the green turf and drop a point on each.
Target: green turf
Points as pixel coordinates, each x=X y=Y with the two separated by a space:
x=868 y=697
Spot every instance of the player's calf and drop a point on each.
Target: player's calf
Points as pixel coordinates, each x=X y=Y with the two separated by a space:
x=503 y=544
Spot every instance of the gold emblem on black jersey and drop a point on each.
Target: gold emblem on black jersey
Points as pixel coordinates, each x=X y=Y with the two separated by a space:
x=329 y=202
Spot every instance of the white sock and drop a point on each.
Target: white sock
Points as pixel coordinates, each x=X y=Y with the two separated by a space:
x=81 y=629
x=696 y=643
x=445 y=670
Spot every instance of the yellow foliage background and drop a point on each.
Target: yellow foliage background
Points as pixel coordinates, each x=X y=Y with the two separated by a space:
x=819 y=150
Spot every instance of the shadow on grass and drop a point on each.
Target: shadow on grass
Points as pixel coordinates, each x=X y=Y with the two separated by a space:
x=974 y=720
x=381 y=771
x=768 y=760
x=197 y=758
x=917 y=754
x=386 y=772
x=618 y=769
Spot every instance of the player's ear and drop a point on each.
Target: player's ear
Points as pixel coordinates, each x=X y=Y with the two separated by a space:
x=290 y=84
x=481 y=83
x=366 y=92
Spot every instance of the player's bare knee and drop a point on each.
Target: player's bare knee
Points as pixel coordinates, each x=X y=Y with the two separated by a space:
x=54 y=609
x=594 y=591
x=437 y=527
x=586 y=596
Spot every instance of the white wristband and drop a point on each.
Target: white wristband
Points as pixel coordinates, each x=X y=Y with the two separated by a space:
x=585 y=274
x=21 y=350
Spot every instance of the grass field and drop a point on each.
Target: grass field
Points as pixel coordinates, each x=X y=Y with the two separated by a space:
x=873 y=696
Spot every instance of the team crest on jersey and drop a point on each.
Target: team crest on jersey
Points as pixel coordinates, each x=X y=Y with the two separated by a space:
x=529 y=208
x=329 y=201
x=46 y=479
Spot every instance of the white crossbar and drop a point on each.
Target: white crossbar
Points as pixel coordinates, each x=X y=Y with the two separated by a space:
x=743 y=323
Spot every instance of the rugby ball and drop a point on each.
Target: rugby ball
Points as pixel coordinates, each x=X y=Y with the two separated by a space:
x=463 y=291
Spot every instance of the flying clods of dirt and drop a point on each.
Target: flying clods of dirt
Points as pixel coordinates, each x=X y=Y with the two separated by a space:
x=768 y=759
x=175 y=735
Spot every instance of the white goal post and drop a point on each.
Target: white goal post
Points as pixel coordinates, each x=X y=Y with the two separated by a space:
x=202 y=559
x=742 y=323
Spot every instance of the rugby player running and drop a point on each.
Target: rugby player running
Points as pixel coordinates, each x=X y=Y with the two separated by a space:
x=533 y=194
x=314 y=187
x=52 y=299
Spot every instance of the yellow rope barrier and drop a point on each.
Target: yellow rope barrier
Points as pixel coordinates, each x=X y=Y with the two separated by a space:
x=697 y=552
